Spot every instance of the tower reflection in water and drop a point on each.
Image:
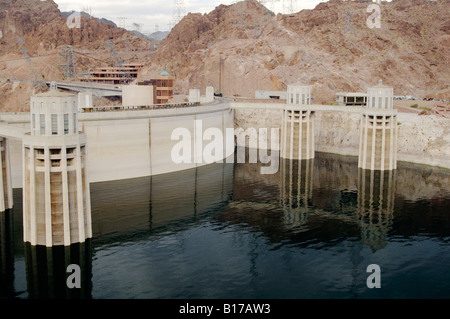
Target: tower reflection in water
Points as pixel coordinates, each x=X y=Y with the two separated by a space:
x=376 y=191
x=46 y=271
x=296 y=190
x=372 y=203
x=6 y=254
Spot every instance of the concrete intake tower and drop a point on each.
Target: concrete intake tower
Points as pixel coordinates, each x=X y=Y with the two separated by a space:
x=378 y=140
x=297 y=131
x=56 y=198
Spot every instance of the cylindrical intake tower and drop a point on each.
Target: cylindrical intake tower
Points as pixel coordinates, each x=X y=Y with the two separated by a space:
x=56 y=198
x=378 y=140
x=298 y=124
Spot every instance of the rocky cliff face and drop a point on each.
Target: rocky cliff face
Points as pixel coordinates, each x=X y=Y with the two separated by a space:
x=41 y=27
x=330 y=47
x=33 y=32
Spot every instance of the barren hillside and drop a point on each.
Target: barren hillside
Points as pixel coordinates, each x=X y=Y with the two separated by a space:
x=330 y=47
x=34 y=33
x=241 y=48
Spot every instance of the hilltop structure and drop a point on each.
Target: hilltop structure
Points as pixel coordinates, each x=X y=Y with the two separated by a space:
x=124 y=74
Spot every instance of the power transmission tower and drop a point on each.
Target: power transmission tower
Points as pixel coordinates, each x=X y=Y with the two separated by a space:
x=122 y=22
x=289 y=6
x=114 y=54
x=38 y=80
x=179 y=11
x=88 y=10
x=69 y=64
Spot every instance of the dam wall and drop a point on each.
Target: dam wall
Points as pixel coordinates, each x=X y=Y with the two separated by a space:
x=422 y=139
x=131 y=144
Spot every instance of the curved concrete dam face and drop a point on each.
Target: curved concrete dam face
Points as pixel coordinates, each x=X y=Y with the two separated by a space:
x=132 y=144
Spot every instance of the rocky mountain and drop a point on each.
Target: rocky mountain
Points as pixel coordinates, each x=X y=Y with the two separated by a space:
x=330 y=47
x=41 y=26
x=33 y=34
x=155 y=37
x=158 y=36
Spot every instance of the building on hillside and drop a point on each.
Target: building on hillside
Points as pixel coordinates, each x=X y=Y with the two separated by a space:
x=148 y=92
x=272 y=95
x=124 y=74
x=164 y=87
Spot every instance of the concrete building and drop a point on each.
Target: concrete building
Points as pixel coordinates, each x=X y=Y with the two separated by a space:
x=194 y=95
x=85 y=100
x=378 y=139
x=123 y=74
x=56 y=198
x=138 y=95
x=351 y=98
x=274 y=95
x=298 y=124
x=209 y=95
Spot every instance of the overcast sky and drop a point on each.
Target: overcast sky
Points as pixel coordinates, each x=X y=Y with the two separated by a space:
x=149 y=13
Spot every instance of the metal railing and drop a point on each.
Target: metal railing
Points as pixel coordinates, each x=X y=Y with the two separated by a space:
x=140 y=107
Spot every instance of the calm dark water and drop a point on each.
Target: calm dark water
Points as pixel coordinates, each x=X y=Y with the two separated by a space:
x=226 y=231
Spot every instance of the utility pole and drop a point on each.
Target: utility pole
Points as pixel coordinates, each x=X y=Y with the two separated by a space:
x=221 y=67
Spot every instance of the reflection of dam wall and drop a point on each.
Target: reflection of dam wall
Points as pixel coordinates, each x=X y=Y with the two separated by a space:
x=130 y=206
x=332 y=191
x=131 y=144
